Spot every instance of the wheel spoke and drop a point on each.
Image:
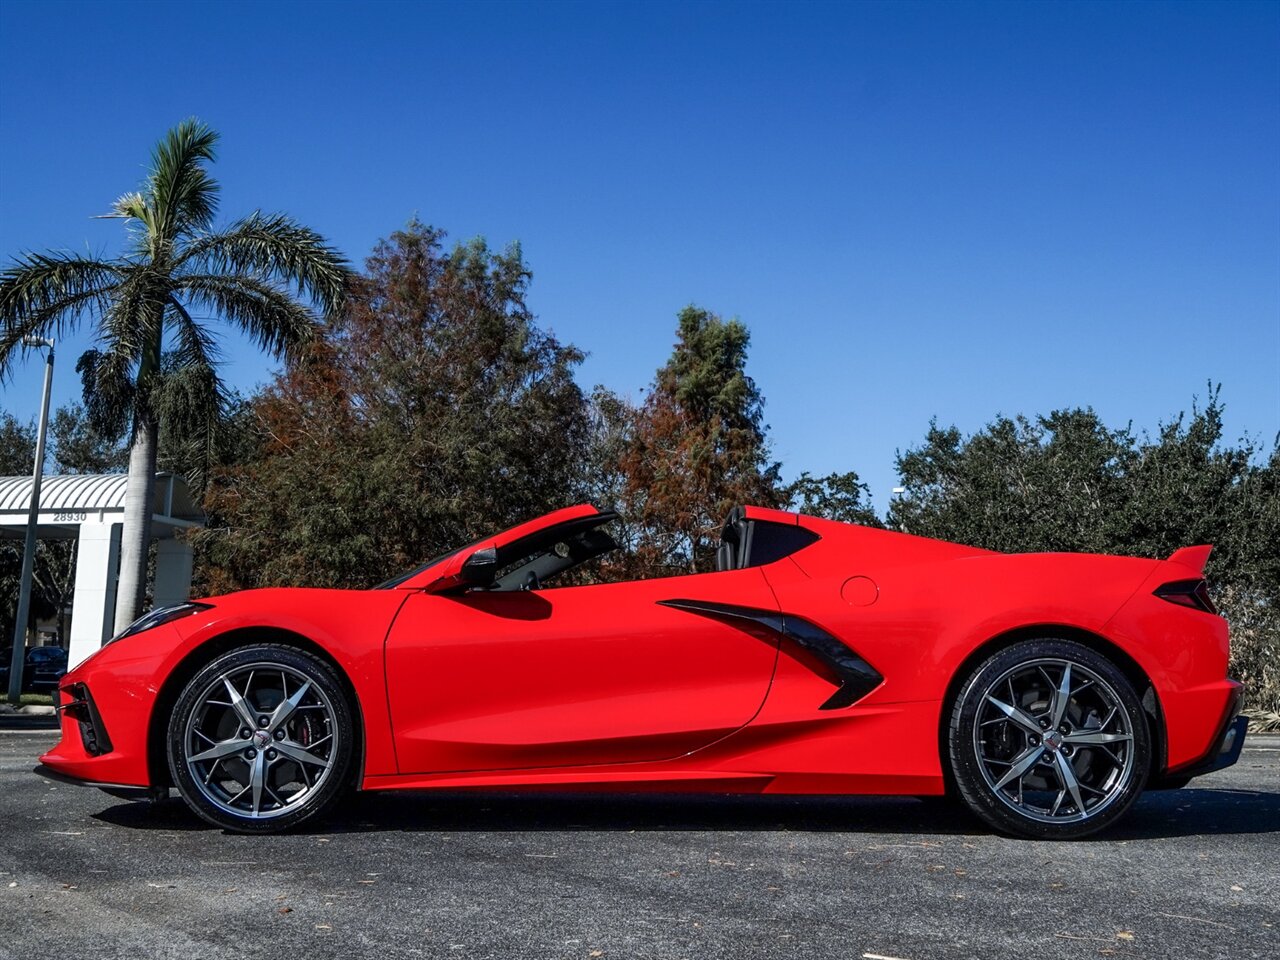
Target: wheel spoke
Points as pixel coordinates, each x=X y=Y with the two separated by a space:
x=239 y=704
x=1020 y=717
x=212 y=769
x=285 y=709
x=1057 y=803
x=1021 y=767
x=298 y=753
x=1082 y=738
x=1067 y=775
x=1111 y=755
x=243 y=790
x=242 y=774
x=218 y=751
x=274 y=796
x=257 y=780
x=1061 y=698
x=1032 y=724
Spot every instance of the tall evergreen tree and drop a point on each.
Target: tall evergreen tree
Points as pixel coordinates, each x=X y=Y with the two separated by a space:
x=699 y=446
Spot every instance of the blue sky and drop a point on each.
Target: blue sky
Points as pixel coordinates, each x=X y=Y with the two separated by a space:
x=951 y=210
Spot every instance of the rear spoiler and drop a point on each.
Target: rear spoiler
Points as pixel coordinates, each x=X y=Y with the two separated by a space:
x=1193 y=557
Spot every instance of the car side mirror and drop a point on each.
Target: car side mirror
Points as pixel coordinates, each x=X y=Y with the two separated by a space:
x=480 y=569
x=463 y=571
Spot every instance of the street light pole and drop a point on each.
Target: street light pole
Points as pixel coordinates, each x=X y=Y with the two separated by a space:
x=29 y=547
x=902 y=492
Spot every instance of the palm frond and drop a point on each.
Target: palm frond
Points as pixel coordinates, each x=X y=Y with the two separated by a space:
x=129 y=206
x=195 y=345
x=275 y=248
x=139 y=218
x=190 y=395
x=180 y=191
x=109 y=391
x=135 y=316
x=190 y=403
x=265 y=313
x=46 y=294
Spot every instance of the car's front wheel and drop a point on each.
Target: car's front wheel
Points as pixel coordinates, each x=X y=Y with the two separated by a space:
x=262 y=739
x=1048 y=739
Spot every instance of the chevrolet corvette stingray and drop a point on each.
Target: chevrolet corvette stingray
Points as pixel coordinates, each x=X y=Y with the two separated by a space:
x=1045 y=691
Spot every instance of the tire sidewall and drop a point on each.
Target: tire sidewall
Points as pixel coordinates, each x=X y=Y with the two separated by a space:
x=966 y=768
x=337 y=784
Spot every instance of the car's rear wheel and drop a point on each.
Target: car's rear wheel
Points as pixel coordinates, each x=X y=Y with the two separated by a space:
x=262 y=739
x=1048 y=739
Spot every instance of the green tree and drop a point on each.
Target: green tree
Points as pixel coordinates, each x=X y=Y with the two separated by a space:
x=434 y=411
x=17 y=446
x=260 y=275
x=837 y=496
x=79 y=447
x=698 y=446
x=1068 y=482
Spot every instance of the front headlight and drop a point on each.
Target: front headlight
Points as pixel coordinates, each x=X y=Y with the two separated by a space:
x=159 y=616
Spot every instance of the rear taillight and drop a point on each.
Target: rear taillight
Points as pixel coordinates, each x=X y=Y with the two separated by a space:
x=1188 y=593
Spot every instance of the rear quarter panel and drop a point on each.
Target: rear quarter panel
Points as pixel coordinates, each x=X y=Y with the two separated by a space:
x=933 y=606
x=935 y=603
x=1185 y=653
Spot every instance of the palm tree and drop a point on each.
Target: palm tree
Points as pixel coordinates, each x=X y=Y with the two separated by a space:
x=265 y=275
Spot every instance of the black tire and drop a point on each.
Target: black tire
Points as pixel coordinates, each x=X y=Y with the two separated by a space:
x=1025 y=775
x=293 y=764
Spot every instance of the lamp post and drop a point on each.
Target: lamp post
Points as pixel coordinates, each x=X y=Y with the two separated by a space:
x=29 y=547
x=902 y=492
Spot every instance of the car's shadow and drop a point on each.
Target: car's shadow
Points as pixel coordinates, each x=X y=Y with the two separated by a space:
x=1165 y=814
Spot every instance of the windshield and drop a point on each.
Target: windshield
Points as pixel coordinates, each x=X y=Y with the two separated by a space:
x=534 y=553
x=397 y=581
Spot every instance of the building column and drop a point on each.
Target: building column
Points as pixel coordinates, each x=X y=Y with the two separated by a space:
x=173 y=572
x=94 y=607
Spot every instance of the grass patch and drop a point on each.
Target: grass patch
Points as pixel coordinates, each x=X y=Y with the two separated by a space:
x=36 y=700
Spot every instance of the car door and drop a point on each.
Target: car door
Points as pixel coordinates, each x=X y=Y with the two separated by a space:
x=603 y=674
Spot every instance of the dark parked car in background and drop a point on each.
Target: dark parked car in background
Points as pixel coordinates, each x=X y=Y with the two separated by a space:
x=44 y=667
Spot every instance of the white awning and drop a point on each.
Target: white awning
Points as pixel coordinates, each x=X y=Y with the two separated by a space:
x=68 y=501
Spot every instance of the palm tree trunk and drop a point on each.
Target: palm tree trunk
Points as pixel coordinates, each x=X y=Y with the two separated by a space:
x=135 y=538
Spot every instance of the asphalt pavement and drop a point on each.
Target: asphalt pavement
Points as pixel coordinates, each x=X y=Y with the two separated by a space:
x=1189 y=873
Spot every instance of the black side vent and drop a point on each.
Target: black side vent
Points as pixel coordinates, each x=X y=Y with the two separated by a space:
x=808 y=643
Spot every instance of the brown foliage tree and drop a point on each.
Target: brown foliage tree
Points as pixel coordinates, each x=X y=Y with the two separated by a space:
x=697 y=448
x=434 y=411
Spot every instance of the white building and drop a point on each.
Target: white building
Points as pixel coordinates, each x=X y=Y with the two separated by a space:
x=90 y=508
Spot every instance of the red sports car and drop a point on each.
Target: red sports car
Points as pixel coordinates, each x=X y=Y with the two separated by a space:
x=1044 y=690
